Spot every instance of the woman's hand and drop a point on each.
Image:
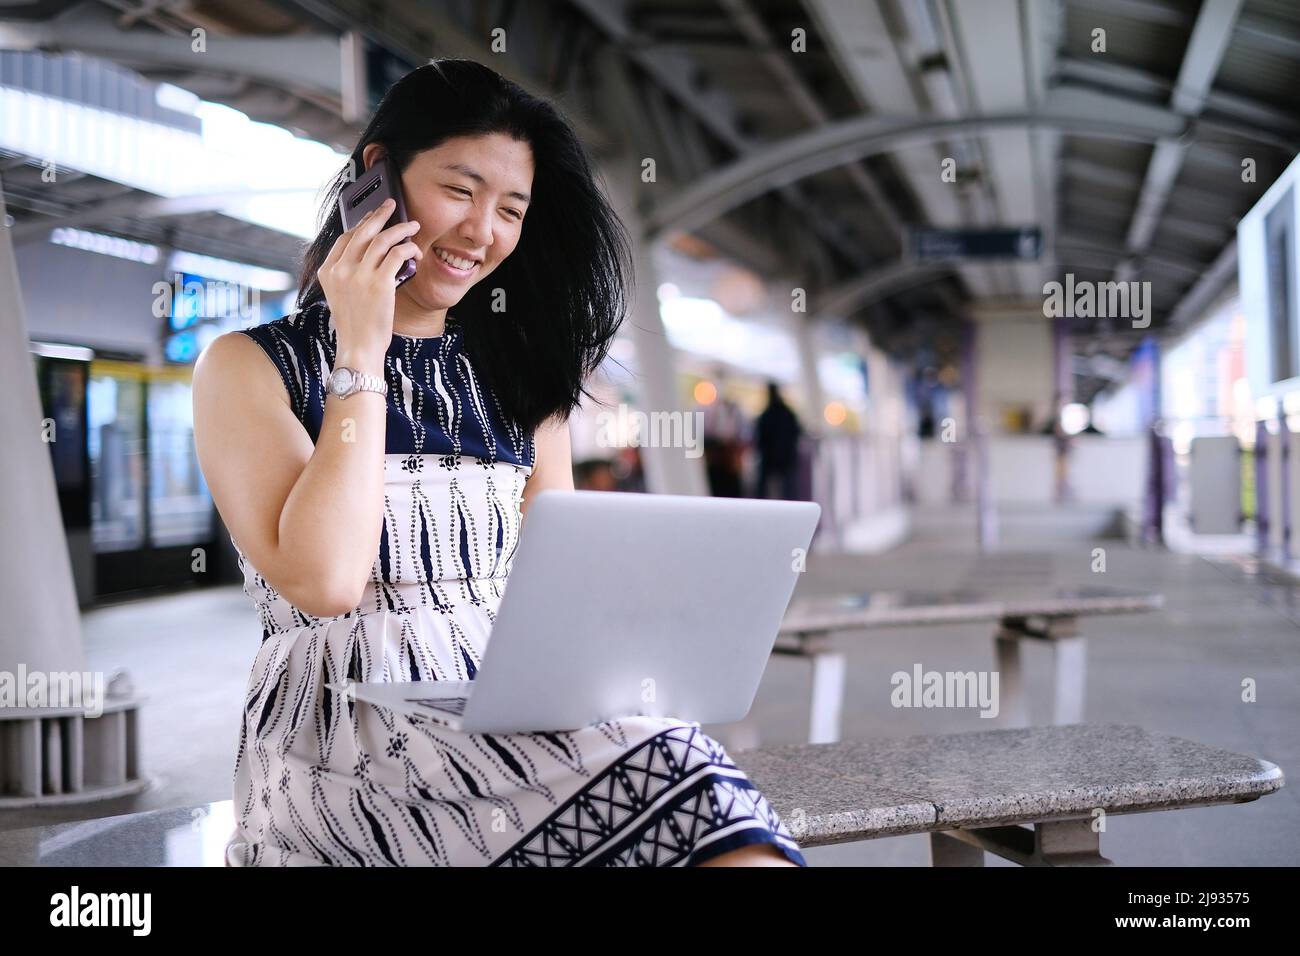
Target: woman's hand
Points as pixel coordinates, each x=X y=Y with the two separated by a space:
x=359 y=278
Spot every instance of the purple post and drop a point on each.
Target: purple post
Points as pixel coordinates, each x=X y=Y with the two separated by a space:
x=961 y=484
x=1283 y=483
x=1162 y=487
x=1261 y=488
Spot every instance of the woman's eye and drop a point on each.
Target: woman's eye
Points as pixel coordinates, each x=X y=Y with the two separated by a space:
x=460 y=189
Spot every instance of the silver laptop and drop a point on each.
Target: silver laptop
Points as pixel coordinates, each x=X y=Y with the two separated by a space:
x=621 y=604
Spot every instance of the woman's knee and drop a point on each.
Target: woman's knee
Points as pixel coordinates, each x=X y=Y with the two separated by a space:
x=753 y=854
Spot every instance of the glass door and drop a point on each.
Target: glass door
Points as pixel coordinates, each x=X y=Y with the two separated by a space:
x=116 y=444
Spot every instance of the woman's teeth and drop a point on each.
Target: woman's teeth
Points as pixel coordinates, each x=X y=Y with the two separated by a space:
x=455 y=261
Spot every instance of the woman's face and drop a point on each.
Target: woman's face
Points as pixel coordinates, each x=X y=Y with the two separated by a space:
x=469 y=196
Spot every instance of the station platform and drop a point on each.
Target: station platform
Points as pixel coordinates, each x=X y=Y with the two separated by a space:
x=1177 y=672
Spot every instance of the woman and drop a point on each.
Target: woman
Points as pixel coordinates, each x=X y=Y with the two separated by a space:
x=376 y=531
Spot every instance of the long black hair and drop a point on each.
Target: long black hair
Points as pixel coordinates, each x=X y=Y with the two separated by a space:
x=565 y=283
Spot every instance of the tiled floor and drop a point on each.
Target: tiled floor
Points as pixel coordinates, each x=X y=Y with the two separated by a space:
x=1178 y=672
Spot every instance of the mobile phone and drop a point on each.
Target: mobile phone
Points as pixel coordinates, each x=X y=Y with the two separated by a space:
x=381 y=181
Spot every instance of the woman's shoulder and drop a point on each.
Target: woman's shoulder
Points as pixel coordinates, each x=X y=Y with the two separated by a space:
x=298 y=329
x=234 y=357
x=277 y=352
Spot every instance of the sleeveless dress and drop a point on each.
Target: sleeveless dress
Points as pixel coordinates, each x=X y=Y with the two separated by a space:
x=322 y=779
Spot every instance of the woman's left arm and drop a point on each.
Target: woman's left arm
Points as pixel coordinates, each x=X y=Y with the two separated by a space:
x=552 y=461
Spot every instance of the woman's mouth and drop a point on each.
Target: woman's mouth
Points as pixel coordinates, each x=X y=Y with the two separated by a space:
x=456 y=265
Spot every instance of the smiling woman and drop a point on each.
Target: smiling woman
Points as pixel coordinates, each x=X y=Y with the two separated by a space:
x=496 y=175
x=374 y=474
x=469 y=220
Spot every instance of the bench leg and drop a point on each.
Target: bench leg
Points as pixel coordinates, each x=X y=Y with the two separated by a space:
x=1069 y=669
x=1067 y=843
x=1011 y=684
x=1050 y=843
x=827 y=698
x=947 y=850
x=1070 y=659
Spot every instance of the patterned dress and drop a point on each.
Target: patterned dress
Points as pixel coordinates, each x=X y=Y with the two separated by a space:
x=321 y=779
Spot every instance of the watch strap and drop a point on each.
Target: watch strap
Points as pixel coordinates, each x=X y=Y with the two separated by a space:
x=357 y=382
x=367 y=383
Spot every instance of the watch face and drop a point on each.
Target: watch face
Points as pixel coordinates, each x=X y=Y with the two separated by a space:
x=341 y=381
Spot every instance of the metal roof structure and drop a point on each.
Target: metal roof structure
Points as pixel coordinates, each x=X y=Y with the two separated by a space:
x=803 y=138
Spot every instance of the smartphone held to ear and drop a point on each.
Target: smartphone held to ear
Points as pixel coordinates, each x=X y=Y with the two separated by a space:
x=356 y=200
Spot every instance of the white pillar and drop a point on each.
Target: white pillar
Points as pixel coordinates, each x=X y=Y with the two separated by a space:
x=667 y=470
x=42 y=627
x=812 y=385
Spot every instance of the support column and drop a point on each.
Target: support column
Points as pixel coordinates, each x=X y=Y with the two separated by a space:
x=811 y=381
x=975 y=445
x=667 y=470
x=42 y=623
x=1063 y=394
x=42 y=752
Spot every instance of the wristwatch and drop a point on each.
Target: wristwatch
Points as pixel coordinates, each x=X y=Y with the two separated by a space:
x=348 y=381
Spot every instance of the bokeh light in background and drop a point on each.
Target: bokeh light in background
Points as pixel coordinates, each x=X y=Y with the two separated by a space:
x=705 y=392
x=702 y=327
x=739 y=291
x=1074 y=418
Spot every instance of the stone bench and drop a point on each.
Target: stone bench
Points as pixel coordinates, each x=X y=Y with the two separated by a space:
x=1046 y=616
x=1031 y=795
x=972 y=792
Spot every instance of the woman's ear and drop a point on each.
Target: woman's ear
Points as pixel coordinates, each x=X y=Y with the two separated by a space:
x=372 y=154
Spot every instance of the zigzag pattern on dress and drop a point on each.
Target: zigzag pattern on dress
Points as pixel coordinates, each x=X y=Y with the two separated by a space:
x=675 y=799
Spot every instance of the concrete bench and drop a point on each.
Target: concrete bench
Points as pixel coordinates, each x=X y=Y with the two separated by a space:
x=176 y=836
x=1047 y=616
x=972 y=792
x=1031 y=795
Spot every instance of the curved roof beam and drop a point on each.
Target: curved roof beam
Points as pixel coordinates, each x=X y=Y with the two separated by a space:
x=1076 y=112
x=848 y=297
x=899 y=275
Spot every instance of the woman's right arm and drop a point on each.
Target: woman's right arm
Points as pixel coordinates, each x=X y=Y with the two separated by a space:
x=303 y=515
x=308 y=517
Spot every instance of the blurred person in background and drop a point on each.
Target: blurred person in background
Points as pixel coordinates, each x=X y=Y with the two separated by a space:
x=595 y=474
x=776 y=436
x=725 y=438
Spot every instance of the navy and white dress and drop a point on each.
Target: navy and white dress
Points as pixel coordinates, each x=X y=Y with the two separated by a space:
x=321 y=779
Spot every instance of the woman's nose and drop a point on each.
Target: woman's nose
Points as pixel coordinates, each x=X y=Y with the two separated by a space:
x=477 y=227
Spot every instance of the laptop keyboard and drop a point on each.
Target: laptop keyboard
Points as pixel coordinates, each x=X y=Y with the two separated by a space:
x=450 y=705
